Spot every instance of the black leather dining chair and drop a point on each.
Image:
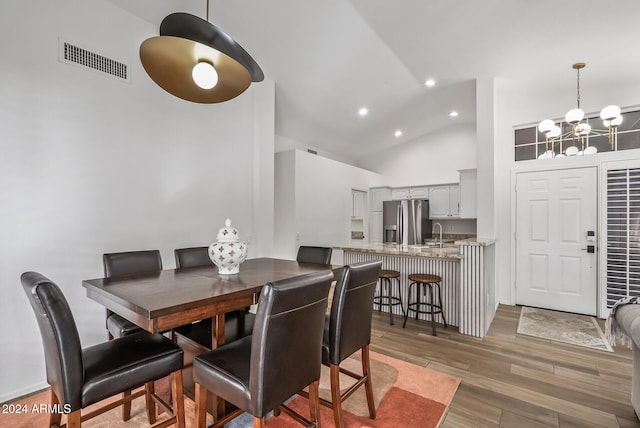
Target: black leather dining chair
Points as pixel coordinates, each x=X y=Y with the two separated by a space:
x=80 y=376
x=310 y=254
x=192 y=257
x=260 y=372
x=237 y=324
x=123 y=264
x=347 y=330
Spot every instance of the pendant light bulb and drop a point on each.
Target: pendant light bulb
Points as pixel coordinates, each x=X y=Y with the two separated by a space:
x=204 y=75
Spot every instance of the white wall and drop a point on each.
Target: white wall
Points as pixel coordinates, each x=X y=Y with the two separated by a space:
x=519 y=103
x=319 y=190
x=90 y=165
x=433 y=158
x=283 y=144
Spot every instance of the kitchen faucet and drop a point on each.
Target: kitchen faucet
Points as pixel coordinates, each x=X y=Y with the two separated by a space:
x=439 y=225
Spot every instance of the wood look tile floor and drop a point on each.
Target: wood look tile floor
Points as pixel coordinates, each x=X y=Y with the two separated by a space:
x=513 y=380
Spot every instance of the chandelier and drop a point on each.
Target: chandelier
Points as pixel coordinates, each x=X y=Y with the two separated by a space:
x=579 y=131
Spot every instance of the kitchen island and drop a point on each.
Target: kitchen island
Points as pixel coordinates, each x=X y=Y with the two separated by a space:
x=468 y=295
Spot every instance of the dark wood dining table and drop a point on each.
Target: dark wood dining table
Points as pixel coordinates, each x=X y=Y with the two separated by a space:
x=161 y=301
x=167 y=299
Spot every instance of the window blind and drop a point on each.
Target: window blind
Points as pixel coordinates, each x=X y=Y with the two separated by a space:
x=623 y=234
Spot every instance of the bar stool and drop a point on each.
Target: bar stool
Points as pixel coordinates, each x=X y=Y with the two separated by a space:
x=421 y=280
x=385 y=277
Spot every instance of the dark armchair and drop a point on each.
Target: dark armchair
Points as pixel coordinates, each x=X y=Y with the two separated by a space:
x=347 y=330
x=123 y=264
x=81 y=377
x=283 y=356
x=309 y=254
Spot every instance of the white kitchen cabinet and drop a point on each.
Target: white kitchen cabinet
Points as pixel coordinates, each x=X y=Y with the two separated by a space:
x=468 y=193
x=419 y=192
x=376 y=227
x=400 y=193
x=358 y=203
x=377 y=196
x=454 y=201
x=444 y=201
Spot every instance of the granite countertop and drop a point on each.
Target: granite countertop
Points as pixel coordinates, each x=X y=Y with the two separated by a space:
x=480 y=242
x=450 y=248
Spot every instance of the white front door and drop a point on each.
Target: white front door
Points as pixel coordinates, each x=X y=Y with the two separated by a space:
x=554 y=212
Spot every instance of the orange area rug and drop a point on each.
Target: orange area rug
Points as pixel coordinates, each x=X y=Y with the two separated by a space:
x=405 y=395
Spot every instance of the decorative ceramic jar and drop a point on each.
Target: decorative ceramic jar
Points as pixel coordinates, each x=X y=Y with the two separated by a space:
x=228 y=252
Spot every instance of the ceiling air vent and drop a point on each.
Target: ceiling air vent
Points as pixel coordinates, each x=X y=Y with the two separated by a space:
x=73 y=54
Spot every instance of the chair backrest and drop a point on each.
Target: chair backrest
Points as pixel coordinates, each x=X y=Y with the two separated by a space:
x=286 y=347
x=308 y=254
x=131 y=262
x=351 y=310
x=62 y=348
x=192 y=257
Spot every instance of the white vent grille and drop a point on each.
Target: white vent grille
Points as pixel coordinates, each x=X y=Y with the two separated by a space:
x=74 y=54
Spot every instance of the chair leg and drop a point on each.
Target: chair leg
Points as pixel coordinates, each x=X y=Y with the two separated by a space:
x=73 y=419
x=54 y=417
x=390 y=306
x=314 y=402
x=368 y=385
x=400 y=296
x=335 y=395
x=178 y=398
x=201 y=406
x=433 y=308
x=259 y=422
x=440 y=302
x=126 y=407
x=151 y=404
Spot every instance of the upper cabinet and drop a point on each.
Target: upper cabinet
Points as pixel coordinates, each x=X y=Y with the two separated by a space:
x=377 y=196
x=421 y=192
x=400 y=193
x=444 y=201
x=358 y=204
x=468 y=193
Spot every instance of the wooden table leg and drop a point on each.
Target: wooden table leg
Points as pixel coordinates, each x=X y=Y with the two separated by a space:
x=217 y=339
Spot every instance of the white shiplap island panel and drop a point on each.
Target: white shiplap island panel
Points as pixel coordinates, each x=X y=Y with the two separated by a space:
x=466 y=269
x=446 y=268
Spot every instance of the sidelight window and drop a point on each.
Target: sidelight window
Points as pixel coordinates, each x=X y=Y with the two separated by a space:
x=623 y=234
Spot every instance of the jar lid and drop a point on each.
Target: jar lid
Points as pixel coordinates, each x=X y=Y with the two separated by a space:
x=228 y=233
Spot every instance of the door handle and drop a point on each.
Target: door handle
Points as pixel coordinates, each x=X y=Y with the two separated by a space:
x=590 y=249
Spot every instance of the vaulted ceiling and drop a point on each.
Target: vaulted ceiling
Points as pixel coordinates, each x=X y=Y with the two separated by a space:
x=329 y=58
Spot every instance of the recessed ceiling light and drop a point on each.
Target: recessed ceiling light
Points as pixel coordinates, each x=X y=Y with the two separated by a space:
x=429 y=82
x=453 y=113
x=398 y=133
x=363 y=111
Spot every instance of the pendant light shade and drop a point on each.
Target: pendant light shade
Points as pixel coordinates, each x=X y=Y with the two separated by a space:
x=191 y=48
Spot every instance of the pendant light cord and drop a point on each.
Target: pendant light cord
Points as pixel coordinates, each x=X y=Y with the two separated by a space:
x=577 y=70
x=208 y=12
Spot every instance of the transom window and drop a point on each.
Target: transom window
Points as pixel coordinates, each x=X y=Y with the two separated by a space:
x=530 y=143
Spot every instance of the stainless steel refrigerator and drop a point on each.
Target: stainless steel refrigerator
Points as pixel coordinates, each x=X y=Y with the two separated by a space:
x=406 y=222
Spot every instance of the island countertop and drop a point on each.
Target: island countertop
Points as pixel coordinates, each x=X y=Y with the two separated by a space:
x=448 y=250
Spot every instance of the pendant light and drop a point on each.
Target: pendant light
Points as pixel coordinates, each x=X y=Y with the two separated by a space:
x=197 y=61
